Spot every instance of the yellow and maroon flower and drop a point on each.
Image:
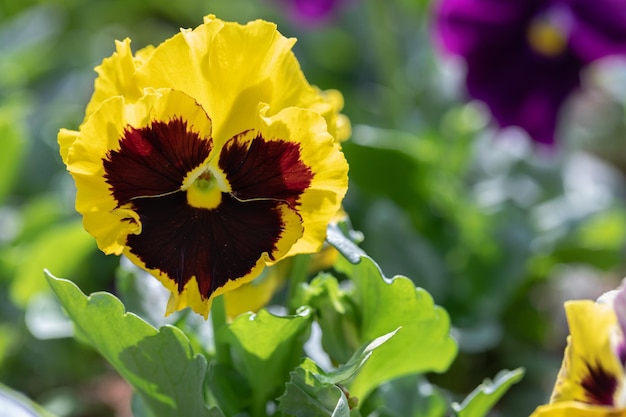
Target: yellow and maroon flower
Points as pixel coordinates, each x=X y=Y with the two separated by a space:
x=207 y=158
x=592 y=379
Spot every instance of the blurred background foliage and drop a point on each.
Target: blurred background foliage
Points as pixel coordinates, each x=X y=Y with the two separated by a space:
x=498 y=231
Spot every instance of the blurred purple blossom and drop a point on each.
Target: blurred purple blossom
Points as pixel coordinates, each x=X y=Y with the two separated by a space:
x=311 y=11
x=524 y=57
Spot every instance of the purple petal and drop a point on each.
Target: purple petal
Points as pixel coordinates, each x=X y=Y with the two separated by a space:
x=524 y=89
x=600 y=28
x=470 y=27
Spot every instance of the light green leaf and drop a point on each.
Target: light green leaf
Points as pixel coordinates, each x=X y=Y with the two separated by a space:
x=487 y=394
x=159 y=364
x=265 y=348
x=14 y=404
x=422 y=343
x=61 y=248
x=13 y=148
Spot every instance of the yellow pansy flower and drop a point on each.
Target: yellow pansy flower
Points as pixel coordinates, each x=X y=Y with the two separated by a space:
x=207 y=158
x=592 y=379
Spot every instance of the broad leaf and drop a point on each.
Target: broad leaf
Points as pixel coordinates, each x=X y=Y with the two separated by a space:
x=306 y=396
x=159 y=364
x=265 y=348
x=312 y=392
x=487 y=394
x=422 y=343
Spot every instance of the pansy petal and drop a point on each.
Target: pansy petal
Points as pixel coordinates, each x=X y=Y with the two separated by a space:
x=533 y=101
x=116 y=76
x=255 y=295
x=575 y=409
x=106 y=217
x=478 y=28
x=321 y=200
x=230 y=69
x=66 y=138
x=591 y=372
x=212 y=250
x=600 y=28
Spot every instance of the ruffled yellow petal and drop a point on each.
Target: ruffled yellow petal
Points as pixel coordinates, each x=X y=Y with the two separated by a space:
x=116 y=76
x=321 y=201
x=66 y=138
x=231 y=68
x=592 y=326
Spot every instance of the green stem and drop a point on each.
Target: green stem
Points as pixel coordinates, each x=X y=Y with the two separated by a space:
x=218 y=320
x=297 y=275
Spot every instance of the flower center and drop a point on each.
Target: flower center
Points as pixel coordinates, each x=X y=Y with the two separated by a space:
x=547 y=37
x=204 y=192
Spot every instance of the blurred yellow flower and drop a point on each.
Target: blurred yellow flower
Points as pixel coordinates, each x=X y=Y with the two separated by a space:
x=207 y=158
x=591 y=381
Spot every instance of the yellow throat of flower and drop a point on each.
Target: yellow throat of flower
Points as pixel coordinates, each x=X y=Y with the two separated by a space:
x=205 y=191
x=546 y=38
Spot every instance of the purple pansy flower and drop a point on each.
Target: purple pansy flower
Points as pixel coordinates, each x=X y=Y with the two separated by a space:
x=312 y=11
x=524 y=57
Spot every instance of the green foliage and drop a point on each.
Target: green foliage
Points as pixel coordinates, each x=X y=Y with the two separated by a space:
x=480 y=401
x=386 y=305
x=13 y=149
x=313 y=392
x=159 y=364
x=264 y=349
x=47 y=251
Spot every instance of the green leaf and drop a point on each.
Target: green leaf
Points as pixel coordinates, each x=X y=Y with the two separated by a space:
x=423 y=342
x=265 y=348
x=335 y=313
x=15 y=404
x=159 y=364
x=307 y=396
x=312 y=392
x=345 y=246
x=487 y=394
x=410 y=396
x=13 y=148
x=356 y=362
x=61 y=248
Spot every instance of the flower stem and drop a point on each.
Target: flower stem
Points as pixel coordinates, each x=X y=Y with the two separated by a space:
x=297 y=275
x=218 y=320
